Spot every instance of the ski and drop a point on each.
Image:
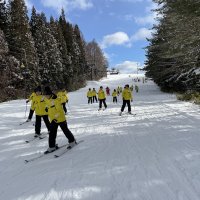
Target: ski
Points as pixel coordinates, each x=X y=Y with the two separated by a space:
x=67 y=149
x=34 y=138
x=42 y=154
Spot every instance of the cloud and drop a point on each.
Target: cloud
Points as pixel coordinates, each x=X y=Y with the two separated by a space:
x=127 y=67
x=67 y=4
x=118 y=38
x=149 y=19
x=29 y=4
x=141 y=34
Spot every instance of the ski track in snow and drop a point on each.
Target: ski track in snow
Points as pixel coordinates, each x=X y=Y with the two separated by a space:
x=154 y=155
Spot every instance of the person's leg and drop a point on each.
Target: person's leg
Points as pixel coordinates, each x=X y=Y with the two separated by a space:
x=104 y=103
x=53 y=134
x=37 y=124
x=129 y=106
x=67 y=132
x=46 y=121
x=123 y=105
x=100 y=103
x=30 y=114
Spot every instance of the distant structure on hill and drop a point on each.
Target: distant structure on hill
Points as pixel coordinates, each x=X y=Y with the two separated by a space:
x=113 y=71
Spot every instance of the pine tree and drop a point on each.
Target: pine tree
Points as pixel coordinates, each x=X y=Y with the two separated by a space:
x=3 y=17
x=21 y=43
x=50 y=62
x=66 y=59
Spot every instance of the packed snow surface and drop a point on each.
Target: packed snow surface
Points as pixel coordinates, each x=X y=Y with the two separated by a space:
x=154 y=155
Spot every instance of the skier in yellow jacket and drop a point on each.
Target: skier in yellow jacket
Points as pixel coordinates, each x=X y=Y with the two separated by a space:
x=127 y=98
x=57 y=118
x=39 y=106
x=31 y=99
x=114 y=95
x=94 y=95
x=89 y=96
x=102 y=98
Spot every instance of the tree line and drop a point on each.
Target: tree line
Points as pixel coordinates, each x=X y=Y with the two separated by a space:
x=38 y=51
x=173 y=53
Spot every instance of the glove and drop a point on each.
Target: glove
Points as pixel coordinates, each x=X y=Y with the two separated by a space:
x=27 y=101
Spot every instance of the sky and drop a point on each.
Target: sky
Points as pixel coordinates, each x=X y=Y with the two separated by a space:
x=119 y=26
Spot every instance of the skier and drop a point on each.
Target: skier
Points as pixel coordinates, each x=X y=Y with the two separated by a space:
x=108 y=91
x=102 y=98
x=131 y=88
x=114 y=94
x=89 y=96
x=118 y=90
x=31 y=99
x=39 y=107
x=94 y=95
x=127 y=98
x=136 y=88
x=57 y=118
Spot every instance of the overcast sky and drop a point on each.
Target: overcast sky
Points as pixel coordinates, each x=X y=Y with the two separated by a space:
x=119 y=26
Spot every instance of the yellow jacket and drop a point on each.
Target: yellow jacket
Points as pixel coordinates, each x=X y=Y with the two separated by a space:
x=114 y=94
x=101 y=94
x=126 y=94
x=63 y=96
x=94 y=93
x=31 y=98
x=55 y=110
x=89 y=93
x=39 y=105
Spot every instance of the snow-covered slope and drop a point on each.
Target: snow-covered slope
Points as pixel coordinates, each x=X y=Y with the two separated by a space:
x=154 y=155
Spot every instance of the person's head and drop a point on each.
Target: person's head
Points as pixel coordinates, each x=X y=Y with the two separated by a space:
x=101 y=87
x=127 y=86
x=47 y=92
x=114 y=90
x=38 y=90
x=89 y=89
x=93 y=88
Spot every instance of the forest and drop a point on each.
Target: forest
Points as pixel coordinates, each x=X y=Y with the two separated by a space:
x=173 y=53
x=37 y=51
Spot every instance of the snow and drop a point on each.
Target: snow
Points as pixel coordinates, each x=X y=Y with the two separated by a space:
x=154 y=155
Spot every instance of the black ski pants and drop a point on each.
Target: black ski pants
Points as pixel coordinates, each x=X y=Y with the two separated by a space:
x=114 y=99
x=94 y=98
x=89 y=100
x=128 y=102
x=30 y=114
x=53 y=133
x=38 y=123
x=102 y=101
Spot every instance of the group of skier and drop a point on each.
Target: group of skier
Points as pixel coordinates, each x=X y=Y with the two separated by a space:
x=126 y=97
x=51 y=107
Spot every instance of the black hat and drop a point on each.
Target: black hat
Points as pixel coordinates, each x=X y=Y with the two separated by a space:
x=38 y=89
x=47 y=90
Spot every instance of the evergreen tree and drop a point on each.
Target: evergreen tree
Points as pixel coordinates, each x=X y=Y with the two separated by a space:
x=66 y=59
x=173 y=53
x=50 y=62
x=21 y=43
x=3 y=17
